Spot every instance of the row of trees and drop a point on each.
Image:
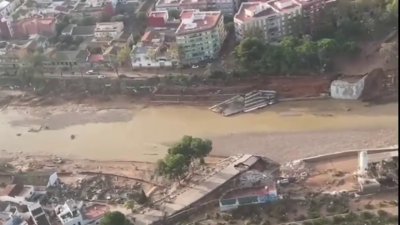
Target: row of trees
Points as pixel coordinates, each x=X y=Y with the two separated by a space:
x=181 y=155
x=358 y=19
x=290 y=55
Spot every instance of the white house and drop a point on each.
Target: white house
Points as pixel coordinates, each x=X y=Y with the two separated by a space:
x=146 y=57
x=38 y=215
x=21 y=194
x=108 y=30
x=73 y=213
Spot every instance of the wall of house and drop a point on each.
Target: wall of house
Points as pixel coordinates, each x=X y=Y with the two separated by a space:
x=142 y=61
x=345 y=90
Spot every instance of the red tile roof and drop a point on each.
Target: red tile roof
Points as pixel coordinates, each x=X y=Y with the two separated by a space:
x=209 y=21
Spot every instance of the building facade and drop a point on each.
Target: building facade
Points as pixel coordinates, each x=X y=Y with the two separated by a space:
x=248 y=196
x=108 y=30
x=227 y=7
x=200 y=35
x=275 y=18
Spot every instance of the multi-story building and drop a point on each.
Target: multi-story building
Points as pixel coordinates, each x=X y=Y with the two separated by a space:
x=311 y=11
x=157 y=48
x=275 y=17
x=95 y=3
x=33 y=26
x=200 y=35
x=272 y=18
x=227 y=7
x=108 y=31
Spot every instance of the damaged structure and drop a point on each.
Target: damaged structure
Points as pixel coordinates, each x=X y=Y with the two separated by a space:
x=376 y=171
x=246 y=172
x=76 y=213
x=248 y=102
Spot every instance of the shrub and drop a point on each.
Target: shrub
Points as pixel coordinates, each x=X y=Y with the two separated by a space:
x=301 y=217
x=382 y=213
x=367 y=215
x=369 y=206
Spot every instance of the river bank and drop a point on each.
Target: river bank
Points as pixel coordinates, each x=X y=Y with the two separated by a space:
x=116 y=131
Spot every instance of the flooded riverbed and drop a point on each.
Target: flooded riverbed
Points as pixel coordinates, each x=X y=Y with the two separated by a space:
x=144 y=134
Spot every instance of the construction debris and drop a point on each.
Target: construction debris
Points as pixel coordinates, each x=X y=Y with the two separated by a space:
x=248 y=102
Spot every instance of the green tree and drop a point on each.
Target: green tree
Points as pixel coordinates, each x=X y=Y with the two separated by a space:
x=230 y=27
x=249 y=52
x=130 y=204
x=141 y=16
x=175 y=165
x=326 y=49
x=254 y=32
x=123 y=55
x=120 y=18
x=62 y=24
x=114 y=218
x=87 y=21
x=174 y=13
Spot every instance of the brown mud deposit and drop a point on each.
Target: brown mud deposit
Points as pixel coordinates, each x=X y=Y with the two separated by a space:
x=144 y=133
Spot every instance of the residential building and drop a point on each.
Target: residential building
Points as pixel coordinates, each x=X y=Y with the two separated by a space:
x=157 y=19
x=76 y=213
x=248 y=196
x=81 y=10
x=157 y=48
x=78 y=31
x=66 y=59
x=166 y=5
x=6 y=31
x=95 y=3
x=274 y=17
x=37 y=214
x=227 y=7
x=19 y=193
x=311 y=11
x=5 y=8
x=108 y=31
x=200 y=35
x=36 y=25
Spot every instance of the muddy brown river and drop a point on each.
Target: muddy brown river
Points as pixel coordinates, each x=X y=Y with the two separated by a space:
x=144 y=134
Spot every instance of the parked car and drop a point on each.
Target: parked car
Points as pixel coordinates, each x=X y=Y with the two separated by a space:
x=90 y=72
x=101 y=76
x=195 y=66
x=122 y=76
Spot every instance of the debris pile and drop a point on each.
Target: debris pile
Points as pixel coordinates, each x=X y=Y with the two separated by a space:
x=99 y=188
x=297 y=169
x=379 y=86
x=248 y=102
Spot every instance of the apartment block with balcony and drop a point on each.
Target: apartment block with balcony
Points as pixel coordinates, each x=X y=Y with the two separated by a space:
x=312 y=10
x=200 y=35
x=259 y=15
x=274 y=17
x=108 y=31
x=227 y=7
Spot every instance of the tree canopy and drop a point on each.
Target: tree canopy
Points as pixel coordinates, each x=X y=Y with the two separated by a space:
x=289 y=56
x=180 y=155
x=114 y=218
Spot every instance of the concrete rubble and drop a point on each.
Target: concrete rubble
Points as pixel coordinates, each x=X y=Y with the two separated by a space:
x=248 y=102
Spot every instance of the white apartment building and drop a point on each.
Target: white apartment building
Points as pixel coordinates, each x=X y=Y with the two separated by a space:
x=108 y=30
x=157 y=48
x=95 y=3
x=73 y=213
x=272 y=18
x=200 y=35
x=227 y=7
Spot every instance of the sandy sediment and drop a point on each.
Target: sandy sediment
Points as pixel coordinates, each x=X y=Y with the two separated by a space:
x=290 y=146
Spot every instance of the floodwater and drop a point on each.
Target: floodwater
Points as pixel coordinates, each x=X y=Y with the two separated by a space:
x=145 y=134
